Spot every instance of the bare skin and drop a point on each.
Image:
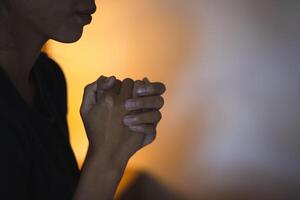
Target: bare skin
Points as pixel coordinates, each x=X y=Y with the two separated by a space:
x=120 y=117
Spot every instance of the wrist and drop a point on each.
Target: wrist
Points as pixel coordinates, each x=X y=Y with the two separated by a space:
x=108 y=161
x=100 y=176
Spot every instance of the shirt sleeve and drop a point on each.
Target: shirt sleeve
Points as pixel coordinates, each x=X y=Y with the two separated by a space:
x=14 y=166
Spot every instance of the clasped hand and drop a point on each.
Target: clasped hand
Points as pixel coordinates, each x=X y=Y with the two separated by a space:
x=120 y=117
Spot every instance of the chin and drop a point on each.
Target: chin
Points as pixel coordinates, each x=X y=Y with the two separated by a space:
x=69 y=36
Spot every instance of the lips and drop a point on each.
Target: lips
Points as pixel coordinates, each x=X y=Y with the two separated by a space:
x=86 y=11
x=83 y=14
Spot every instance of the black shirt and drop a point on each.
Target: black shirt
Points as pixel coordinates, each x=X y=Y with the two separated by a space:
x=37 y=161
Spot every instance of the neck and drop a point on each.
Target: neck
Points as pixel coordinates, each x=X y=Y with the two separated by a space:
x=19 y=49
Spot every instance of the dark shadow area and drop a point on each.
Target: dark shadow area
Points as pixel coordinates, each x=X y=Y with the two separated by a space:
x=147 y=187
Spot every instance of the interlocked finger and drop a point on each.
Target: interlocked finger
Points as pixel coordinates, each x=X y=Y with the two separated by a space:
x=103 y=84
x=151 y=117
x=126 y=89
x=152 y=102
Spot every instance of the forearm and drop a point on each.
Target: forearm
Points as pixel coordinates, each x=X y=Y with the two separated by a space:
x=100 y=177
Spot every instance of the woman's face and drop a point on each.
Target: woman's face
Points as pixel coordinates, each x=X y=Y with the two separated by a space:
x=58 y=20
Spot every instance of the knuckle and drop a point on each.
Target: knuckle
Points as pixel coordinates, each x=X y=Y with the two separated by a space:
x=87 y=87
x=102 y=77
x=118 y=82
x=129 y=80
x=101 y=82
x=160 y=101
x=163 y=87
x=158 y=115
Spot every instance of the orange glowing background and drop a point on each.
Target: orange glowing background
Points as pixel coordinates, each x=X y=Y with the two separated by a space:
x=136 y=38
x=161 y=40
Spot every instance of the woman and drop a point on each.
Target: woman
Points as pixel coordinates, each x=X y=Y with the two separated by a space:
x=37 y=159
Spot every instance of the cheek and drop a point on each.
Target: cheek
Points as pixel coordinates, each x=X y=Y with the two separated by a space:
x=45 y=15
x=66 y=32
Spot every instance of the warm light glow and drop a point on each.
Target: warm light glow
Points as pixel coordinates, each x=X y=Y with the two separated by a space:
x=232 y=79
x=136 y=38
x=122 y=41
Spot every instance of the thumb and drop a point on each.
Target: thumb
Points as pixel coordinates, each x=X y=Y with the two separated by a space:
x=89 y=98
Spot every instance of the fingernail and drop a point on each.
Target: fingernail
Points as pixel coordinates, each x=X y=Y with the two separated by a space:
x=136 y=128
x=142 y=90
x=130 y=104
x=146 y=79
x=110 y=79
x=128 y=120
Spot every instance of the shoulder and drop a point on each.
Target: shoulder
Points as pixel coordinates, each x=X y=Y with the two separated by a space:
x=54 y=80
x=51 y=69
